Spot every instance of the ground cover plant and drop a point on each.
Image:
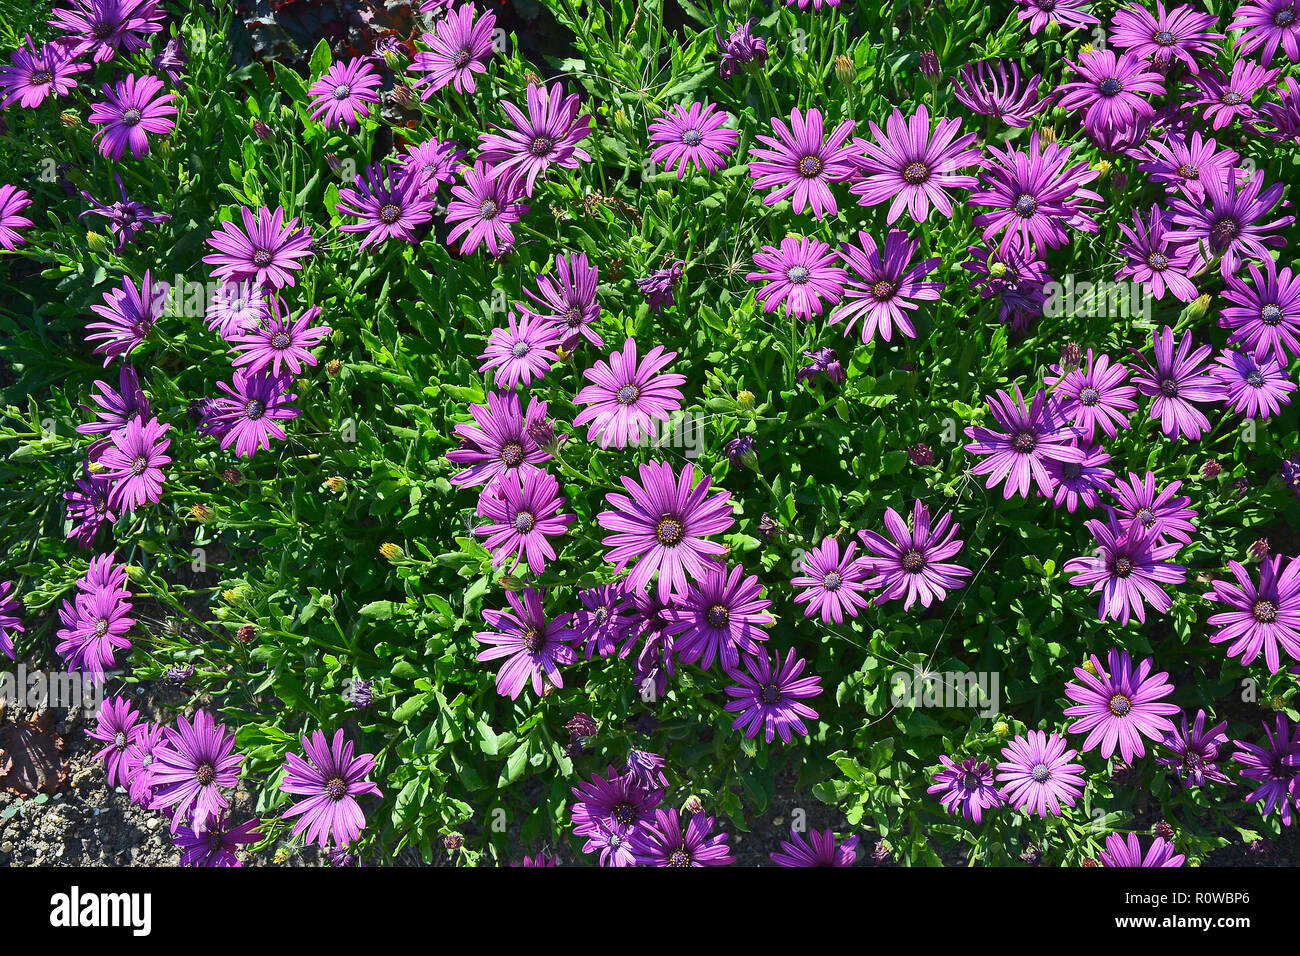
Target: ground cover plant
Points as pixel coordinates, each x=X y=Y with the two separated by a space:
x=528 y=432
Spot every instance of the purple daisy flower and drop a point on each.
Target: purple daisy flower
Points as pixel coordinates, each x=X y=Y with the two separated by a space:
x=1154 y=259
x=800 y=163
x=172 y=60
x=1256 y=388
x=279 y=341
x=768 y=696
x=116 y=408
x=1224 y=98
x=103 y=27
x=718 y=614
x=1275 y=767
x=33 y=74
x=1140 y=502
x=818 y=849
x=911 y=166
x=433 y=163
x=663 y=522
x=799 y=274
x=1031 y=437
x=1038 y=774
x=1228 y=222
x=833 y=584
x=913 y=563
x=484 y=207
x=247 y=416
x=966 y=787
x=1183 y=32
x=1284 y=115
x=118 y=727
x=1265 y=316
x=237 y=308
x=533 y=646
x=1110 y=89
x=547 y=136
x=523 y=510
x=824 y=361
x=1094 y=394
x=1127 y=852
x=339 y=97
x=1127 y=567
x=388 y=204
x=740 y=49
x=1118 y=706
x=615 y=800
x=266 y=251
x=646 y=769
x=94 y=630
x=1264 y=617
x=1068 y=14
x=1035 y=195
x=134 y=463
x=11 y=621
x=626 y=396
x=657 y=287
x=1175 y=382
x=1196 y=751
x=125 y=218
x=87 y=507
x=612 y=842
x=459 y=47
x=215 y=844
x=1182 y=162
x=884 y=286
x=1018 y=279
x=1079 y=482
x=523 y=351
x=998 y=94
x=331 y=779
x=605 y=621
x=190 y=772
x=693 y=136
x=568 y=300
x=138 y=760
x=132 y=110
x=129 y=315
x=13 y=201
x=500 y=439
x=663 y=842
x=1266 y=25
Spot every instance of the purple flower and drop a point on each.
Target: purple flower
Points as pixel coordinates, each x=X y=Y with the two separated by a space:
x=129 y=313
x=459 y=48
x=1265 y=316
x=118 y=727
x=885 y=286
x=125 y=218
x=248 y=415
x=1228 y=222
x=13 y=201
x=1263 y=617
x=138 y=763
x=87 y=506
x=522 y=508
x=547 y=136
x=818 y=849
x=823 y=361
x=1019 y=280
x=331 y=779
x=693 y=136
x=1122 y=852
x=799 y=274
x=484 y=207
x=801 y=163
x=523 y=351
x=1195 y=752
x=132 y=110
x=613 y=842
x=1266 y=25
x=1068 y=14
x=134 y=463
x=605 y=620
x=1275 y=767
x=339 y=97
x=1153 y=258
x=499 y=440
x=94 y=630
x=116 y=408
x=1031 y=437
x=1183 y=163
x=568 y=300
x=11 y=621
x=172 y=60
x=1035 y=195
x=433 y=162
x=663 y=842
x=1256 y=388
x=388 y=204
x=615 y=800
x=279 y=341
x=1175 y=382
x=913 y=563
x=967 y=787
x=768 y=696
x=215 y=844
x=533 y=646
x=1284 y=115
x=740 y=49
x=266 y=251
x=999 y=94
x=1080 y=481
x=1119 y=706
x=190 y=772
x=657 y=287
x=1038 y=774
x=1127 y=567
x=833 y=585
x=1224 y=98
x=626 y=396
x=646 y=769
x=1142 y=504
x=1111 y=90
x=718 y=614
x=105 y=26
x=1095 y=394
x=35 y=74
x=1182 y=32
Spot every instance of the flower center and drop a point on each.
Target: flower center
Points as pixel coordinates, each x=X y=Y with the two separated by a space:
x=669 y=532
x=390 y=213
x=1271 y=314
x=1041 y=773
x=1089 y=396
x=119 y=740
x=1255 y=378
x=532 y=639
x=1123 y=566
x=512 y=454
x=573 y=317
x=1024 y=442
x=1120 y=705
x=1158 y=261
x=131 y=117
x=1284 y=18
x=215 y=842
x=42 y=77
x=1169 y=388
x=771 y=694
x=342 y=91
x=1265 y=612
x=488 y=209
x=524 y=522
x=1026 y=205
x=261 y=258
x=810 y=167
x=628 y=394
x=205 y=773
x=1222 y=233
x=1110 y=86
x=460 y=59
x=1165 y=38
x=624 y=814
x=138 y=465
x=520 y=349
x=913 y=561
x=335 y=788
x=254 y=409
x=280 y=340
x=541 y=146
x=679 y=858
x=832 y=581
x=915 y=173
x=717 y=616
x=1233 y=98
x=101 y=627
x=1071 y=470
x=692 y=137
x=1147 y=517
x=882 y=290
x=970 y=780
x=797 y=274
x=601 y=614
x=1188 y=171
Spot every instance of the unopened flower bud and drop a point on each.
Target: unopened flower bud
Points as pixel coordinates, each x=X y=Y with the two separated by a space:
x=333 y=367
x=745 y=399
x=233 y=476
x=740 y=452
x=262 y=130
x=1259 y=550
x=1071 y=356
x=201 y=513
x=335 y=484
x=1163 y=829
x=922 y=455
x=1197 y=308
x=930 y=67
x=693 y=805
x=1211 y=469
x=246 y=633
x=96 y=242
x=845 y=71
x=391 y=552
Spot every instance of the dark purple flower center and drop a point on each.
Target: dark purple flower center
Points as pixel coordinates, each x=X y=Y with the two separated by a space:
x=1071 y=470
x=1222 y=233
x=205 y=773
x=692 y=137
x=915 y=173
x=1158 y=261
x=718 y=616
x=882 y=290
x=261 y=258
x=601 y=614
x=1284 y=18
x=970 y=780
x=390 y=213
x=488 y=209
x=1089 y=396
x=1271 y=314
x=138 y=465
x=280 y=340
x=1123 y=566
x=1189 y=171
x=1147 y=517
x=1232 y=98
x=1041 y=773
x=771 y=694
x=512 y=454
x=541 y=146
x=119 y=740
x=215 y=842
x=1048 y=5
x=41 y=77
x=624 y=814
x=832 y=581
x=131 y=117
x=1024 y=442
x=1165 y=38
x=1168 y=388
x=335 y=788
x=532 y=640
x=679 y=858
x=254 y=409
x=342 y=91
x=797 y=274
x=573 y=317
x=1265 y=612
x=1120 y=705
x=1026 y=205
x=669 y=532
x=913 y=561
x=101 y=505
x=460 y=59
x=520 y=349
x=628 y=394
x=524 y=522
x=1110 y=86
x=101 y=627
x=810 y=167
x=1255 y=378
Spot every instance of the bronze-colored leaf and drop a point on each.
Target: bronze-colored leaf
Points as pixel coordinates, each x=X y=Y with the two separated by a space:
x=31 y=760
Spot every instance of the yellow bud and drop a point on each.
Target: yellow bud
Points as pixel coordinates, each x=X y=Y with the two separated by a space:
x=391 y=551
x=845 y=71
x=333 y=366
x=1103 y=168
x=335 y=484
x=1001 y=728
x=745 y=399
x=232 y=594
x=96 y=242
x=1090 y=667
x=201 y=513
